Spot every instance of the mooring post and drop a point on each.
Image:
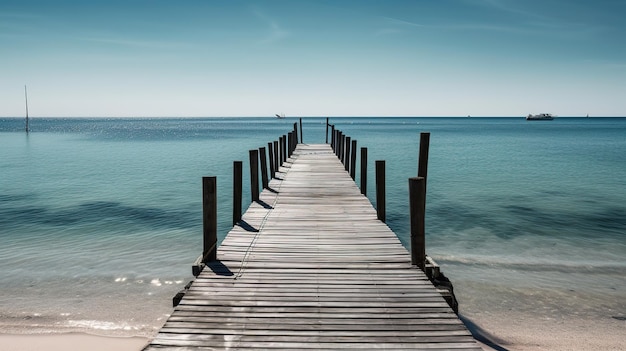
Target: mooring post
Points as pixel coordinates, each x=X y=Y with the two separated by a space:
x=380 y=190
x=422 y=164
x=280 y=151
x=301 y=135
x=364 y=171
x=263 y=159
x=237 y=190
x=339 y=148
x=270 y=155
x=294 y=141
x=254 y=174
x=289 y=143
x=284 y=150
x=326 y=130
x=342 y=147
x=353 y=160
x=346 y=156
x=209 y=219
x=333 y=140
x=276 y=157
x=417 y=207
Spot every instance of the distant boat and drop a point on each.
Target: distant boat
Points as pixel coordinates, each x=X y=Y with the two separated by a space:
x=26 y=99
x=540 y=117
x=281 y=116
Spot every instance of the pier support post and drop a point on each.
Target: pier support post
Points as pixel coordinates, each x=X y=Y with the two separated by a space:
x=294 y=142
x=417 y=208
x=209 y=219
x=353 y=160
x=237 y=190
x=380 y=190
x=364 y=171
x=326 y=130
x=254 y=174
x=339 y=144
x=283 y=148
x=422 y=164
x=270 y=154
x=289 y=143
x=301 y=136
x=276 y=157
x=333 y=140
x=263 y=159
x=346 y=155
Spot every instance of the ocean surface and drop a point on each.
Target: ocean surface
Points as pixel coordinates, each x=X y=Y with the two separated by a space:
x=100 y=219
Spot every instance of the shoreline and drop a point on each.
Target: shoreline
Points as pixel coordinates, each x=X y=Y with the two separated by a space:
x=508 y=333
x=499 y=333
x=70 y=341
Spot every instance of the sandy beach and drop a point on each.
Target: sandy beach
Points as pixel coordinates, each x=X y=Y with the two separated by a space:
x=574 y=335
x=65 y=342
x=545 y=335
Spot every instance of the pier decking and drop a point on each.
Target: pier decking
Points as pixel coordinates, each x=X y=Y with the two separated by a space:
x=311 y=267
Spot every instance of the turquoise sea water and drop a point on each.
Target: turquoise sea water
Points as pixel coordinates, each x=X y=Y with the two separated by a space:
x=100 y=219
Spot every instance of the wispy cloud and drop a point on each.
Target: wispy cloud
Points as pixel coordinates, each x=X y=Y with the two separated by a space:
x=403 y=22
x=393 y=26
x=153 y=44
x=275 y=32
x=533 y=21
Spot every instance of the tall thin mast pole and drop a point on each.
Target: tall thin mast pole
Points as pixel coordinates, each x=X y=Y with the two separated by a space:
x=26 y=98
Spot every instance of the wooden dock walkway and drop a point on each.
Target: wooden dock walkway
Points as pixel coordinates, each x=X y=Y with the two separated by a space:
x=311 y=267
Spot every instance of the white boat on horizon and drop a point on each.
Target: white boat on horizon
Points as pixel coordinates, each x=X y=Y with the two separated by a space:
x=540 y=117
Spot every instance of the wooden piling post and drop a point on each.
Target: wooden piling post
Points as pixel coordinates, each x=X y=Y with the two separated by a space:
x=276 y=157
x=237 y=190
x=254 y=174
x=422 y=164
x=417 y=207
x=284 y=150
x=333 y=140
x=342 y=146
x=339 y=144
x=263 y=158
x=326 y=130
x=346 y=155
x=289 y=143
x=270 y=156
x=353 y=160
x=209 y=219
x=294 y=142
x=364 y=171
x=380 y=190
x=301 y=135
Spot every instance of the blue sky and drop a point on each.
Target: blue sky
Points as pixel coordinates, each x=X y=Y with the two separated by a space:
x=313 y=58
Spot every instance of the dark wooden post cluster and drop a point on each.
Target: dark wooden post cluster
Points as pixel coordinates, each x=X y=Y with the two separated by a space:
x=346 y=150
x=417 y=205
x=277 y=152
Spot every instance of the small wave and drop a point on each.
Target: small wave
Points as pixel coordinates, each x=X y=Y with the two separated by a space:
x=535 y=266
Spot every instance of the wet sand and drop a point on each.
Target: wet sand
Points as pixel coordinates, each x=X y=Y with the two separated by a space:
x=74 y=341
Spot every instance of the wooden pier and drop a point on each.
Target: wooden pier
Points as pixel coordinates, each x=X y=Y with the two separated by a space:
x=310 y=266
